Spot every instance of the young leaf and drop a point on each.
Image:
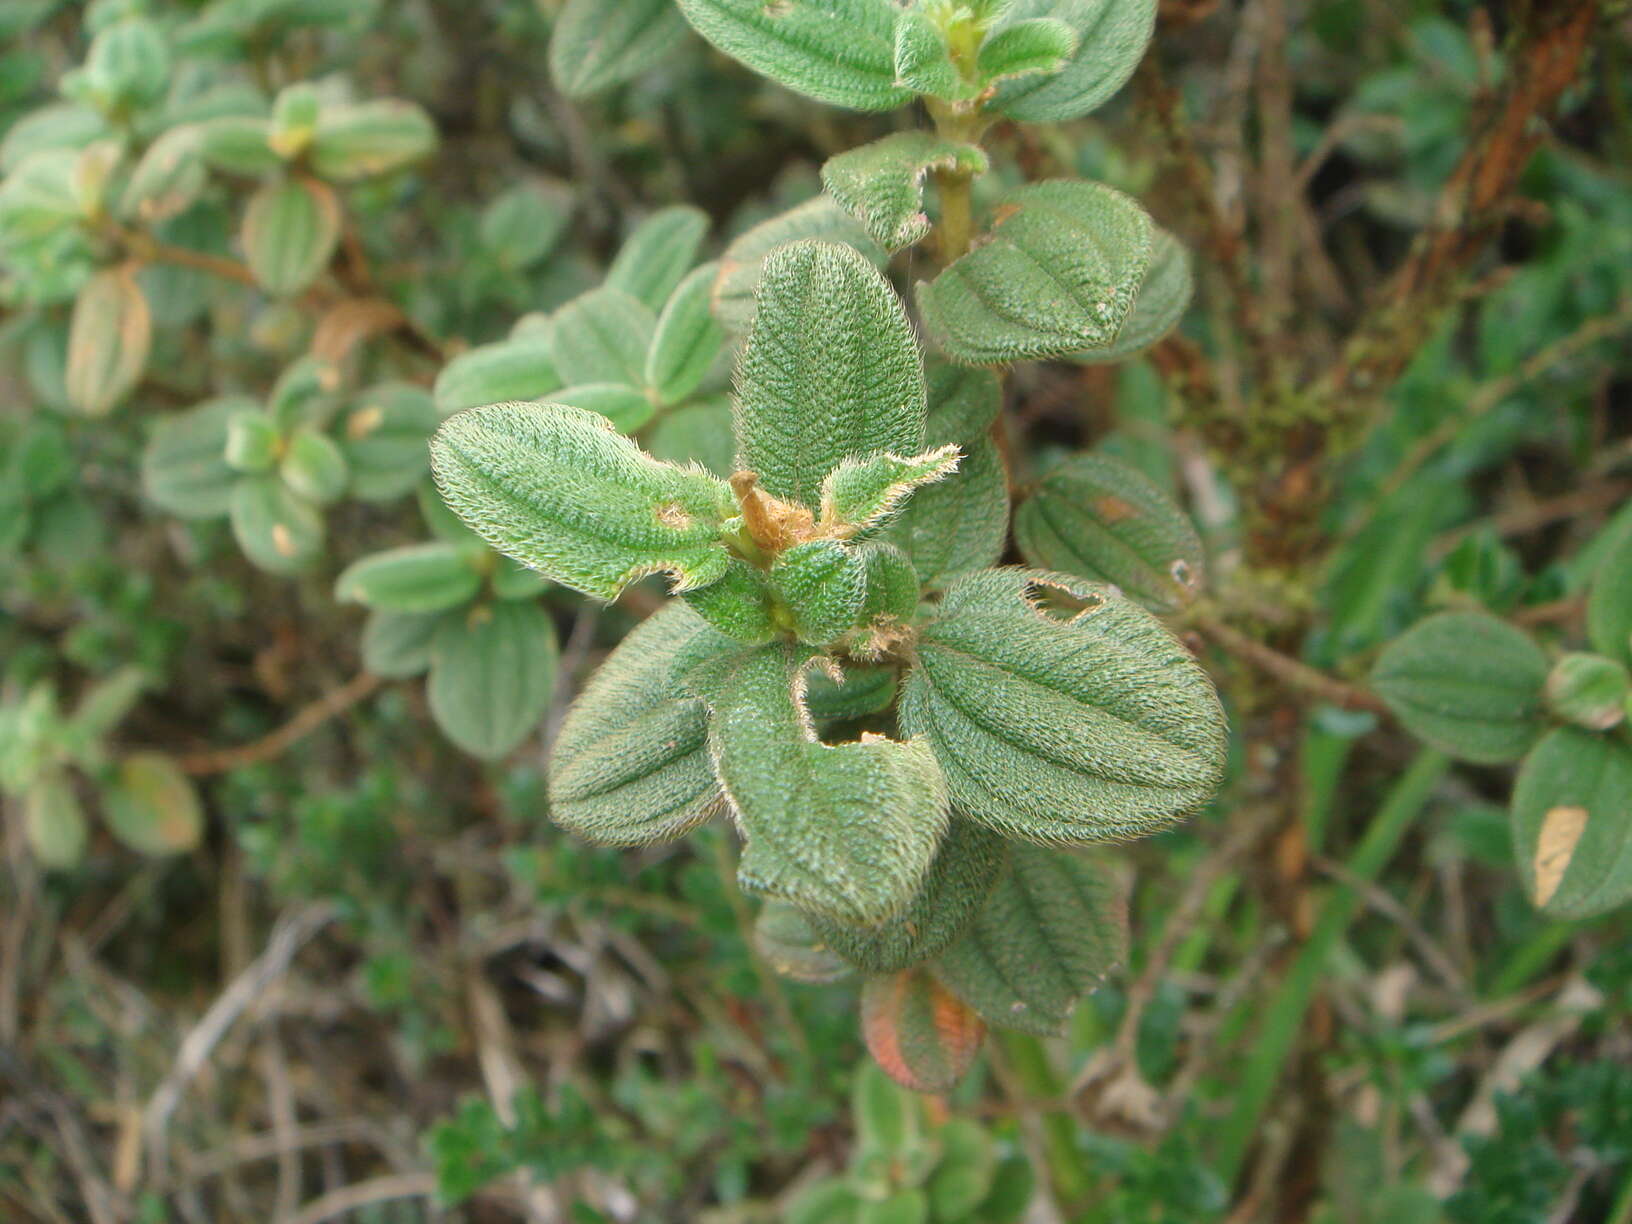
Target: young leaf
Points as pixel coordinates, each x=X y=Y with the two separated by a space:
x=654 y=259
x=1058 y=273
x=882 y=184
x=1092 y=728
x=278 y=530
x=557 y=489
x=397 y=645
x=784 y=937
x=923 y=1036
x=969 y=862
x=1026 y=48
x=510 y=370
x=891 y=592
x=1572 y=823
x=152 y=807
x=184 y=467
x=314 y=467
x=848 y=830
x=289 y=234
x=1163 y=298
x=597 y=44
x=687 y=341
x=54 y=823
x=1098 y=518
x=959 y=524
x=602 y=337
x=1111 y=40
x=416 y=578
x=1588 y=690
x=861 y=493
x=384 y=438
x=631 y=765
x=492 y=673
x=742 y=267
x=837 y=51
x=1054 y=925
x=823 y=586
x=738 y=605
x=1609 y=604
x=1466 y=683
x=370 y=138
x=109 y=339
x=923 y=61
x=830 y=371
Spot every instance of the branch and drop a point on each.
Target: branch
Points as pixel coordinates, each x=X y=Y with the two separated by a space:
x=335 y=702
x=1291 y=672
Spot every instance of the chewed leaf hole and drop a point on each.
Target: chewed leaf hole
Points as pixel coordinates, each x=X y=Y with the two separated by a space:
x=1182 y=573
x=1059 y=603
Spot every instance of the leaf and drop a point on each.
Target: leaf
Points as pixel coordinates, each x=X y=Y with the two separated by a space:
x=830 y=371
x=289 y=234
x=969 y=862
x=597 y=44
x=397 y=645
x=1092 y=728
x=386 y=437
x=152 y=807
x=698 y=432
x=414 y=578
x=277 y=529
x=882 y=184
x=557 y=489
x=1609 y=603
x=184 y=466
x=109 y=338
x=742 y=267
x=963 y=1178
x=847 y=830
x=738 y=605
x=238 y=144
x=1012 y=1188
x=860 y=690
x=822 y=587
x=314 y=467
x=1588 y=690
x=1467 y=684
x=525 y=223
x=1058 y=273
x=369 y=139
x=959 y=524
x=837 y=51
x=824 y=1202
x=630 y=765
x=1111 y=40
x=923 y=61
x=167 y=180
x=510 y=370
x=1052 y=928
x=625 y=408
x=1572 y=824
x=923 y=1036
x=492 y=675
x=785 y=940
x=687 y=341
x=602 y=337
x=54 y=822
x=1161 y=302
x=861 y=493
x=1026 y=48
x=1096 y=517
x=253 y=442
x=655 y=258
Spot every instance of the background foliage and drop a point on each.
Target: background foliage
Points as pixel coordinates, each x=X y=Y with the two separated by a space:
x=285 y=932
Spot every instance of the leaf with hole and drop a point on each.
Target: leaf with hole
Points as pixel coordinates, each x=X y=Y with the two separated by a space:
x=1077 y=723
x=882 y=184
x=1572 y=823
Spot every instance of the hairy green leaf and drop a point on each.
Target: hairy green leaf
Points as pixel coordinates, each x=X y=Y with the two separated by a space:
x=1026 y=48
x=1058 y=273
x=109 y=339
x=597 y=44
x=1111 y=40
x=861 y=493
x=687 y=341
x=837 y=51
x=631 y=763
x=1161 y=302
x=1092 y=728
x=847 y=830
x=923 y=1036
x=1466 y=683
x=492 y=674
x=742 y=267
x=823 y=586
x=559 y=490
x=923 y=60
x=830 y=371
x=1053 y=926
x=414 y=578
x=655 y=258
x=1609 y=603
x=958 y=524
x=1572 y=823
x=1098 y=518
x=184 y=467
x=784 y=937
x=278 y=529
x=970 y=860
x=882 y=184
x=602 y=337
x=520 y=369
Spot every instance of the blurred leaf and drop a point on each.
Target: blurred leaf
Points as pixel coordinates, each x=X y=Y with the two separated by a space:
x=289 y=234
x=370 y=138
x=54 y=822
x=152 y=807
x=521 y=369
x=922 y=1035
x=687 y=341
x=278 y=530
x=109 y=340
x=1609 y=605
x=417 y=578
x=492 y=674
x=1572 y=824
x=184 y=468
x=601 y=43
x=655 y=258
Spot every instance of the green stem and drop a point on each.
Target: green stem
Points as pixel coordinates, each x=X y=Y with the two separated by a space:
x=1621 y=1213
x=1283 y=1020
x=957 y=225
x=1530 y=958
x=1068 y=1174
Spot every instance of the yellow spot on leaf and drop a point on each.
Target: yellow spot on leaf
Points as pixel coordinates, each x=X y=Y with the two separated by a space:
x=1561 y=831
